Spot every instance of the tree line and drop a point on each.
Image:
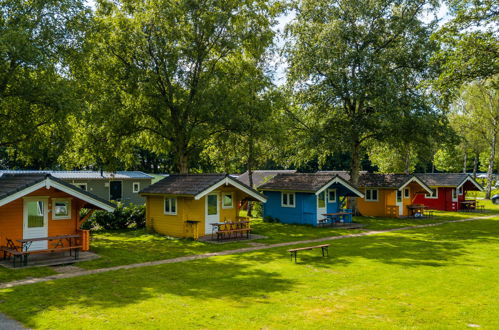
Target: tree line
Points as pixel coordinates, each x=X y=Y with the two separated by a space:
x=189 y=86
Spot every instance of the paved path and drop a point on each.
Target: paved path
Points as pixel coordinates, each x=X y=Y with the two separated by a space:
x=222 y=253
x=6 y=323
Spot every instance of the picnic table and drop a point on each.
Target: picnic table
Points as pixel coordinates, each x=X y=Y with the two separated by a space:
x=227 y=230
x=22 y=252
x=334 y=217
x=468 y=205
x=415 y=209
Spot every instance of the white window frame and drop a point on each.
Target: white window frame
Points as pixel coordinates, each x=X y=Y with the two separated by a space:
x=287 y=204
x=335 y=196
x=77 y=184
x=370 y=199
x=164 y=204
x=454 y=194
x=408 y=191
x=432 y=196
x=61 y=200
x=133 y=187
x=231 y=194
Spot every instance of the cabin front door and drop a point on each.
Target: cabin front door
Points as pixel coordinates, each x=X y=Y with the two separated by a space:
x=212 y=212
x=35 y=221
x=321 y=206
x=115 y=191
x=399 y=202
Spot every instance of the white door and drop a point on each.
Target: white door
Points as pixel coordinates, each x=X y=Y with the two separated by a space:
x=399 y=203
x=212 y=212
x=321 y=206
x=36 y=221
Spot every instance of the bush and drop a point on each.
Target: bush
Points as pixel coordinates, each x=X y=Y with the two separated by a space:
x=269 y=219
x=257 y=210
x=123 y=217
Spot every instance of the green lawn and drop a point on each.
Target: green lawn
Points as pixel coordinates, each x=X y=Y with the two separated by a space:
x=434 y=278
x=133 y=246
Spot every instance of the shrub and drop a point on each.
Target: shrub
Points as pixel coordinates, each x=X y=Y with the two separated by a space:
x=270 y=219
x=123 y=217
x=257 y=210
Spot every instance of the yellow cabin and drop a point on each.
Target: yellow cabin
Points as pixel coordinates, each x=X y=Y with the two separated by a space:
x=389 y=195
x=185 y=205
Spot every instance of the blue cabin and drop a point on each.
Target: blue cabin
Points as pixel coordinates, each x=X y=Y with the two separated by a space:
x=307 y=198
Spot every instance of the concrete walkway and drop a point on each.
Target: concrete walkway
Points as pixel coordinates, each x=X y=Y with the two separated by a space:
x=223 y=253
x=6 y=323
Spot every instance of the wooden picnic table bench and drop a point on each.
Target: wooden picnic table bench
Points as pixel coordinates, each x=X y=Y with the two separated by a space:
x=323 y=247
x=227 y=229
x=22 y=252
x=334 y=217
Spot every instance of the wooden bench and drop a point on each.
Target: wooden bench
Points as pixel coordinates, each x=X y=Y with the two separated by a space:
x=323 y=247
x=222 y=233
x=23 y=255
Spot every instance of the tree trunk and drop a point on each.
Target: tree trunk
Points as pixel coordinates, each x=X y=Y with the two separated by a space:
x=490 y=169
x=250 y=170
x=182 y=160
x=475 y=164
x=465 y=162
x=407 y=161
x=355 y=173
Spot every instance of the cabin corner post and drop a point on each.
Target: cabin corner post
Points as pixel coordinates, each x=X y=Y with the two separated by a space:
x=149 y=224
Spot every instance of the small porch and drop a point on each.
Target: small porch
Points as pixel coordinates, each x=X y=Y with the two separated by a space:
x=471 y=205
x=340 y=219
x=57 y=250
x=50 y=259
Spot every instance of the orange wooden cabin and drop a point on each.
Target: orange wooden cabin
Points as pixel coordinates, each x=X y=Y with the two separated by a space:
x=39 y=205
x=388 y=195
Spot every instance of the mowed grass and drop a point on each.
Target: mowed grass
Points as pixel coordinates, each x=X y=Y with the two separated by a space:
x=442 y=277
x=134 y=246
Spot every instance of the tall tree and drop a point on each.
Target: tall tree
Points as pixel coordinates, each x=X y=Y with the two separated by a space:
x=37 y=41
x=481 y=107
x=355 y=68
x=469 y=46
x=157 y=67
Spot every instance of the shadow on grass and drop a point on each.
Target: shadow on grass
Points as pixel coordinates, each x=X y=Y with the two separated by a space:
x=202 y=280
x=434 y=246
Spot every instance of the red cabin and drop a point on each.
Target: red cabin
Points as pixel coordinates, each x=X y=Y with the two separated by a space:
x=449 y=190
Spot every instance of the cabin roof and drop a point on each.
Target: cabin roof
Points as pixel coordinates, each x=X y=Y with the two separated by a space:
x=450 y=180
x=261 y=176
x=18 y=185
x=309 y=182
x=81 y=175
x=197 y=185
x=372 y=180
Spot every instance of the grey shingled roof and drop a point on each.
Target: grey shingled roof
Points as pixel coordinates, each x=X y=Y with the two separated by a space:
x=261 y=176
x=189 y=184
x=443 y=179
x=306 y=182
x=13 y=183
x=375 y=180
x=84 y=174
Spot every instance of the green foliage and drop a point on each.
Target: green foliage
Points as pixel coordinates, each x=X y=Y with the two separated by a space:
x=38 y=41
x=469 y=46
x=390 y=159
x=448 y=160
x=269 y=219
x=356 y=69
x=165 y=75
x=123 y=217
